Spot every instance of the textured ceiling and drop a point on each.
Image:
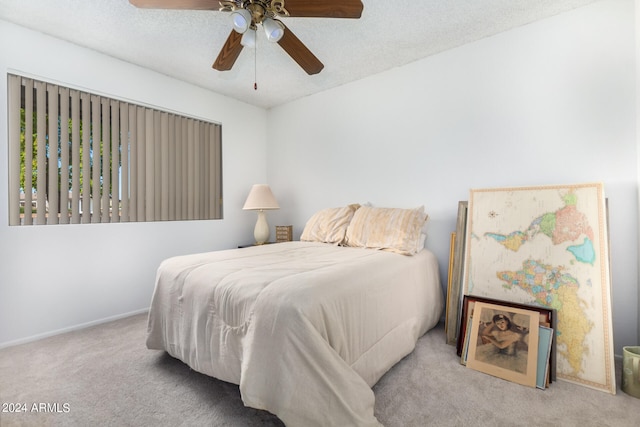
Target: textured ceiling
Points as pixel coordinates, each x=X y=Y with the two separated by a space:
x=184 y=43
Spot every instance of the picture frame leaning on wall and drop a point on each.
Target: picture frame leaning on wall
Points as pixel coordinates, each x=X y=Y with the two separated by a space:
x=455 y=280
x=547 y=317
x=504 y=342
x=548 y=245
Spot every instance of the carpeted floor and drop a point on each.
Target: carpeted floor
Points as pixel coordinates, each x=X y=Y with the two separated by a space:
x=105 y=376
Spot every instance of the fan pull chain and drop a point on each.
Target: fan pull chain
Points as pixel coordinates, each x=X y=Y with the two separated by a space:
x=255 y=66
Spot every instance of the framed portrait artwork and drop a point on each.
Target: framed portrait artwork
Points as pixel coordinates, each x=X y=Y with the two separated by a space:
x=546 y=318
x=504 y=342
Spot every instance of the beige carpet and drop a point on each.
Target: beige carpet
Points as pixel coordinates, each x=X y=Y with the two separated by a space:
x=105 y=376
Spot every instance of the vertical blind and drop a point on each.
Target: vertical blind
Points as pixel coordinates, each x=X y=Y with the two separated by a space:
x=76 y=157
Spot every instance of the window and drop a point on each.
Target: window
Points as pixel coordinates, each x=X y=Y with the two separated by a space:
x=77 y=157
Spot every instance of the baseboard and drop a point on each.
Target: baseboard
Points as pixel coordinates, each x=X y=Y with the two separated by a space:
x=72 y=328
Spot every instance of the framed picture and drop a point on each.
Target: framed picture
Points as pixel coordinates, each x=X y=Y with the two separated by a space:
x=548 y=246
x=450 y=323
x=504 y=342
x=546 y=317
x=456 y=269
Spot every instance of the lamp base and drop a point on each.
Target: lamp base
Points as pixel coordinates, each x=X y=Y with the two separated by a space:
x=261 y=231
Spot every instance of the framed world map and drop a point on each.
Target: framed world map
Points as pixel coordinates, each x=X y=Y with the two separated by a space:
x=548 y=246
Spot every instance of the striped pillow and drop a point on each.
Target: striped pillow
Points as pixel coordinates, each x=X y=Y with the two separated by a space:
x=328 y=225
x=391 y=229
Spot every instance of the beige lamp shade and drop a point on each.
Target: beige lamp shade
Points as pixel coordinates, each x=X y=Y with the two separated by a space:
x=261 y=198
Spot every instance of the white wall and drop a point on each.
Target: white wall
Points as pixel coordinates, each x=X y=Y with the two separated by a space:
x=548 y=103
x=53 y=278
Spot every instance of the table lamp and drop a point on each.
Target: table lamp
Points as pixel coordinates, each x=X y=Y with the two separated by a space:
x=260 y=199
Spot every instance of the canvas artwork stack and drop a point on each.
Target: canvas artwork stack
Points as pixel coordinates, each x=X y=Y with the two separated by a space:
x=532 y=249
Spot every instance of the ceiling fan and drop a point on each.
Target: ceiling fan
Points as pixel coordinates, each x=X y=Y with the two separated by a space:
x=248 y=14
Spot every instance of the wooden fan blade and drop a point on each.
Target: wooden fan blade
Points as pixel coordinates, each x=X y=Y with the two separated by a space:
x=177 y=4
x=324 y=9
x=300 y=53
x=229 y=52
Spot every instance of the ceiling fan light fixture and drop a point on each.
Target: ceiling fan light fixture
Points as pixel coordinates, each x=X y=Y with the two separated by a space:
x=241 y=19
x=273 y=29
x=249 y=38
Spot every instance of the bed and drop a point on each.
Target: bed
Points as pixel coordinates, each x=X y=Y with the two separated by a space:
x=305 y=328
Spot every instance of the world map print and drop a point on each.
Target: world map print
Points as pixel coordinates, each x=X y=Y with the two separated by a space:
x=546 y=246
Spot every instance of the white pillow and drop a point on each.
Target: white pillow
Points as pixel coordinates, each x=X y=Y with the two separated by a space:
x=392 y=229
x=329 y=225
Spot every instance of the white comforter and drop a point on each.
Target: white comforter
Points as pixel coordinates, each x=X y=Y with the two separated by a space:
x=304 y=328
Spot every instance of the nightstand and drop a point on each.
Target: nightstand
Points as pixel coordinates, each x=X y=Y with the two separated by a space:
x=253 y=244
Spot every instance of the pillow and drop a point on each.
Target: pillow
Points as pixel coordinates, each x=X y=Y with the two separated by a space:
x=391 y=229
x=328 y=225
x=420 y=242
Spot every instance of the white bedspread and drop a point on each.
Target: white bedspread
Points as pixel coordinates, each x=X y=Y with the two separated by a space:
x=304 y=328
